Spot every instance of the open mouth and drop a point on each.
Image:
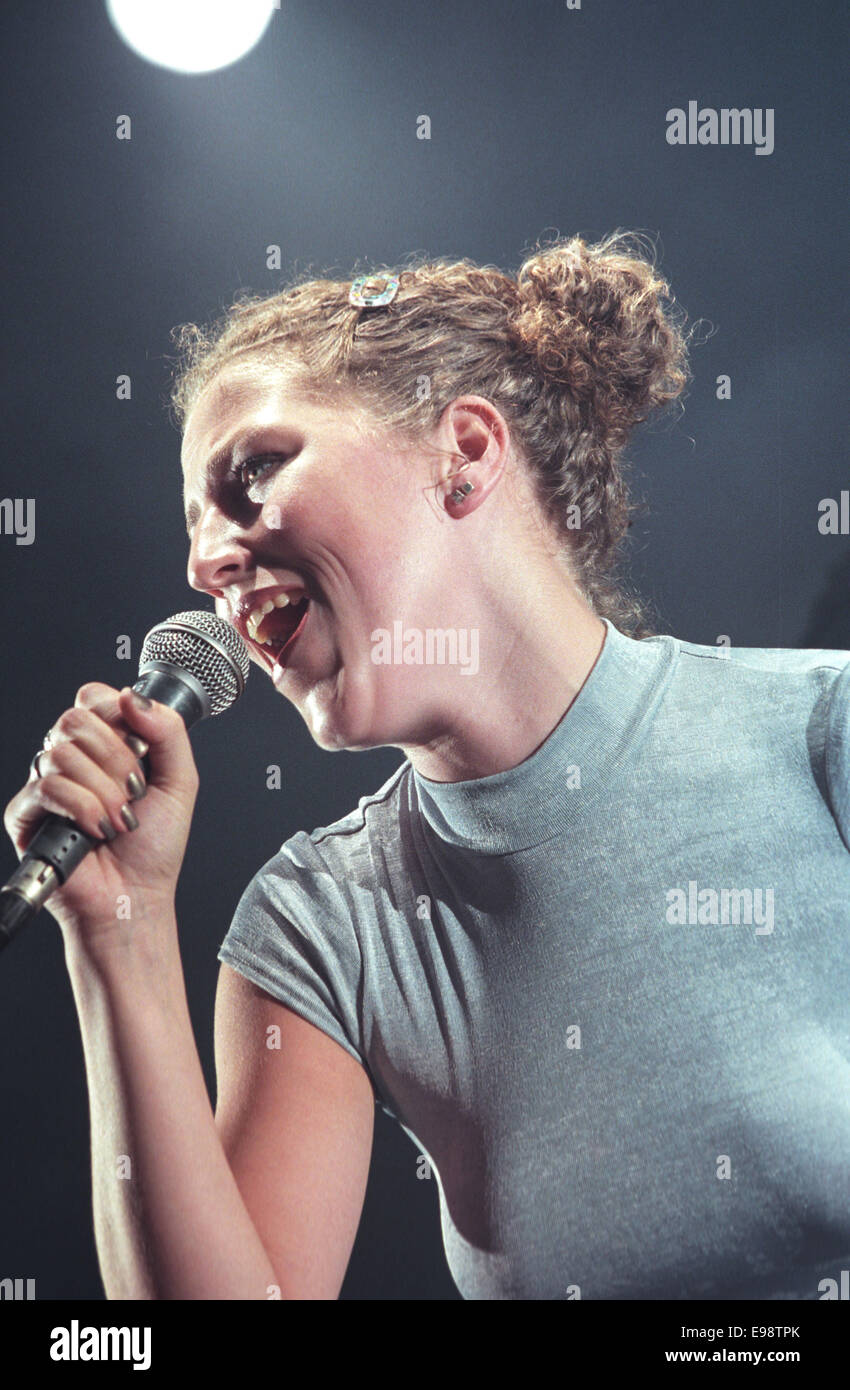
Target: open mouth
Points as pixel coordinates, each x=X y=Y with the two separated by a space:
x=275 y=632
x=271 y=622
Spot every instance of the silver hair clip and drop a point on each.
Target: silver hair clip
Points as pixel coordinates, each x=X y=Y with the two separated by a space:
x=371 y=291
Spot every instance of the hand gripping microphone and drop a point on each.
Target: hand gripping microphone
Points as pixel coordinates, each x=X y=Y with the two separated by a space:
x=195 y=663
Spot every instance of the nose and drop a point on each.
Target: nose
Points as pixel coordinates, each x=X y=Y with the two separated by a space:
x=218 y=554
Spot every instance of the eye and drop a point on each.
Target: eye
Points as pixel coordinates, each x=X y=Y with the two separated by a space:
x=250 y=472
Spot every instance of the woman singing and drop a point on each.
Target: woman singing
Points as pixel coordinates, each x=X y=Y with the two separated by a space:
x=588 y=944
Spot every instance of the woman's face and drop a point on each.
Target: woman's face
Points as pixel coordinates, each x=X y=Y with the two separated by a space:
x=281 y=496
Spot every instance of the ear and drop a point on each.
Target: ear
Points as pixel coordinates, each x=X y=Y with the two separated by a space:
x=478 y=436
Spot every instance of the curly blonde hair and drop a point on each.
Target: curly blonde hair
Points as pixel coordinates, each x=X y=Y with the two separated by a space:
x=575 y=350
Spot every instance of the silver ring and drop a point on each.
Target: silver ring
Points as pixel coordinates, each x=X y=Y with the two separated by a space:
x=34 y=772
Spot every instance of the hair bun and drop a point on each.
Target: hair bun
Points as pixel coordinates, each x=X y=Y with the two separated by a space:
x=594 y=319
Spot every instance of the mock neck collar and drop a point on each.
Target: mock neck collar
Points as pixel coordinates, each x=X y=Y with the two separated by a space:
x=551 y=791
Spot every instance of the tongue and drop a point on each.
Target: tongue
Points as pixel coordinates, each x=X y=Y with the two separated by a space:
x=282 y=654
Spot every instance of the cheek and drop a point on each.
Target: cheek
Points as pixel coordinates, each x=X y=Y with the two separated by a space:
x=358 y=541
x=369 y=510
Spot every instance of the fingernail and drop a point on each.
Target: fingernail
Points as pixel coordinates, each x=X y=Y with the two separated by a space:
x=108 y=829
x=128 y=818
x=136 y=787
x=138 y=745
x=141 y=701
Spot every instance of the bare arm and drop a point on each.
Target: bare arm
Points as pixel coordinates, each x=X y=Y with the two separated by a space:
x=297 y=1124
x=186 y=1207
x=262 y=1201
x=170 y=1222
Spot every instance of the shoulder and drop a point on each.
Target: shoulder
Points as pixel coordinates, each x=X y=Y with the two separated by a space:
x=793 y=676
x=789 y=693
x=780 y=661
x=312 y=877
x=837 y=750
x=298 y=925
x=374 y=811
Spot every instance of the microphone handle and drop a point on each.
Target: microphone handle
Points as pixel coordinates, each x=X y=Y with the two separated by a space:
x=59 y=845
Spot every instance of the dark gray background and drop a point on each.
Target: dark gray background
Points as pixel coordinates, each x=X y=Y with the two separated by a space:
x=543 y=119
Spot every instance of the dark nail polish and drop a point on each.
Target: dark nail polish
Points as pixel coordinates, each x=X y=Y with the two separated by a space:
x=108 y=829
x=138 y=745
x=136 y=786
x=128 y=818
x=141 y=700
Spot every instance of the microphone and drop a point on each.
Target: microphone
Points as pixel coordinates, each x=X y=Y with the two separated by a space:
x=195 y=663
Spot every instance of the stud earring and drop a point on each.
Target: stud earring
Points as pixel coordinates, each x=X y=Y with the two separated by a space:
x=461 y=492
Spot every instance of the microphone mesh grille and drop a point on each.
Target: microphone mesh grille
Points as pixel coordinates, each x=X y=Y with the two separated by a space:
x=185 y=641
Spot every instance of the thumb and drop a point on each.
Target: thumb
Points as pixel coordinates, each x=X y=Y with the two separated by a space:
x=172 y=766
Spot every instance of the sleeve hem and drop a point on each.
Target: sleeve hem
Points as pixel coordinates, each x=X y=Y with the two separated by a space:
x=291 y=999
x=837 y=754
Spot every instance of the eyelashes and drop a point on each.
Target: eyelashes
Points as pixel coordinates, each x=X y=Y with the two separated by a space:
x=253 y=470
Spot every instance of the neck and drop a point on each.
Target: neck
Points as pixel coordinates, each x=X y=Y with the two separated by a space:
x=517 y=700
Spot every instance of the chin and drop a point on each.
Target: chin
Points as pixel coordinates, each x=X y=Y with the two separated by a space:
x=334 y=723
x=351 y=722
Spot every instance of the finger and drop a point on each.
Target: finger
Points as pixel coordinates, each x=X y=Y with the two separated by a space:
x=103 y=744
x=101 y=699
x=69 y=760
x=170 y=756
x=55 y=795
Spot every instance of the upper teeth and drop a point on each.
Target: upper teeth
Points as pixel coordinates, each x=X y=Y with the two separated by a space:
x=255 y=617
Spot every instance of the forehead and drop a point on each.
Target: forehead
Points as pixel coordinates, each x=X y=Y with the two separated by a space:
x=240 y=410
x=232 y=405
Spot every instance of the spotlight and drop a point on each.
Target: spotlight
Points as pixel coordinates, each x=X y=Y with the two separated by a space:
x=191 y=35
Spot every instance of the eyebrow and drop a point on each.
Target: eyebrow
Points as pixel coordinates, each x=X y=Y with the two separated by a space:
x=218 y=462
x=214 y=468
